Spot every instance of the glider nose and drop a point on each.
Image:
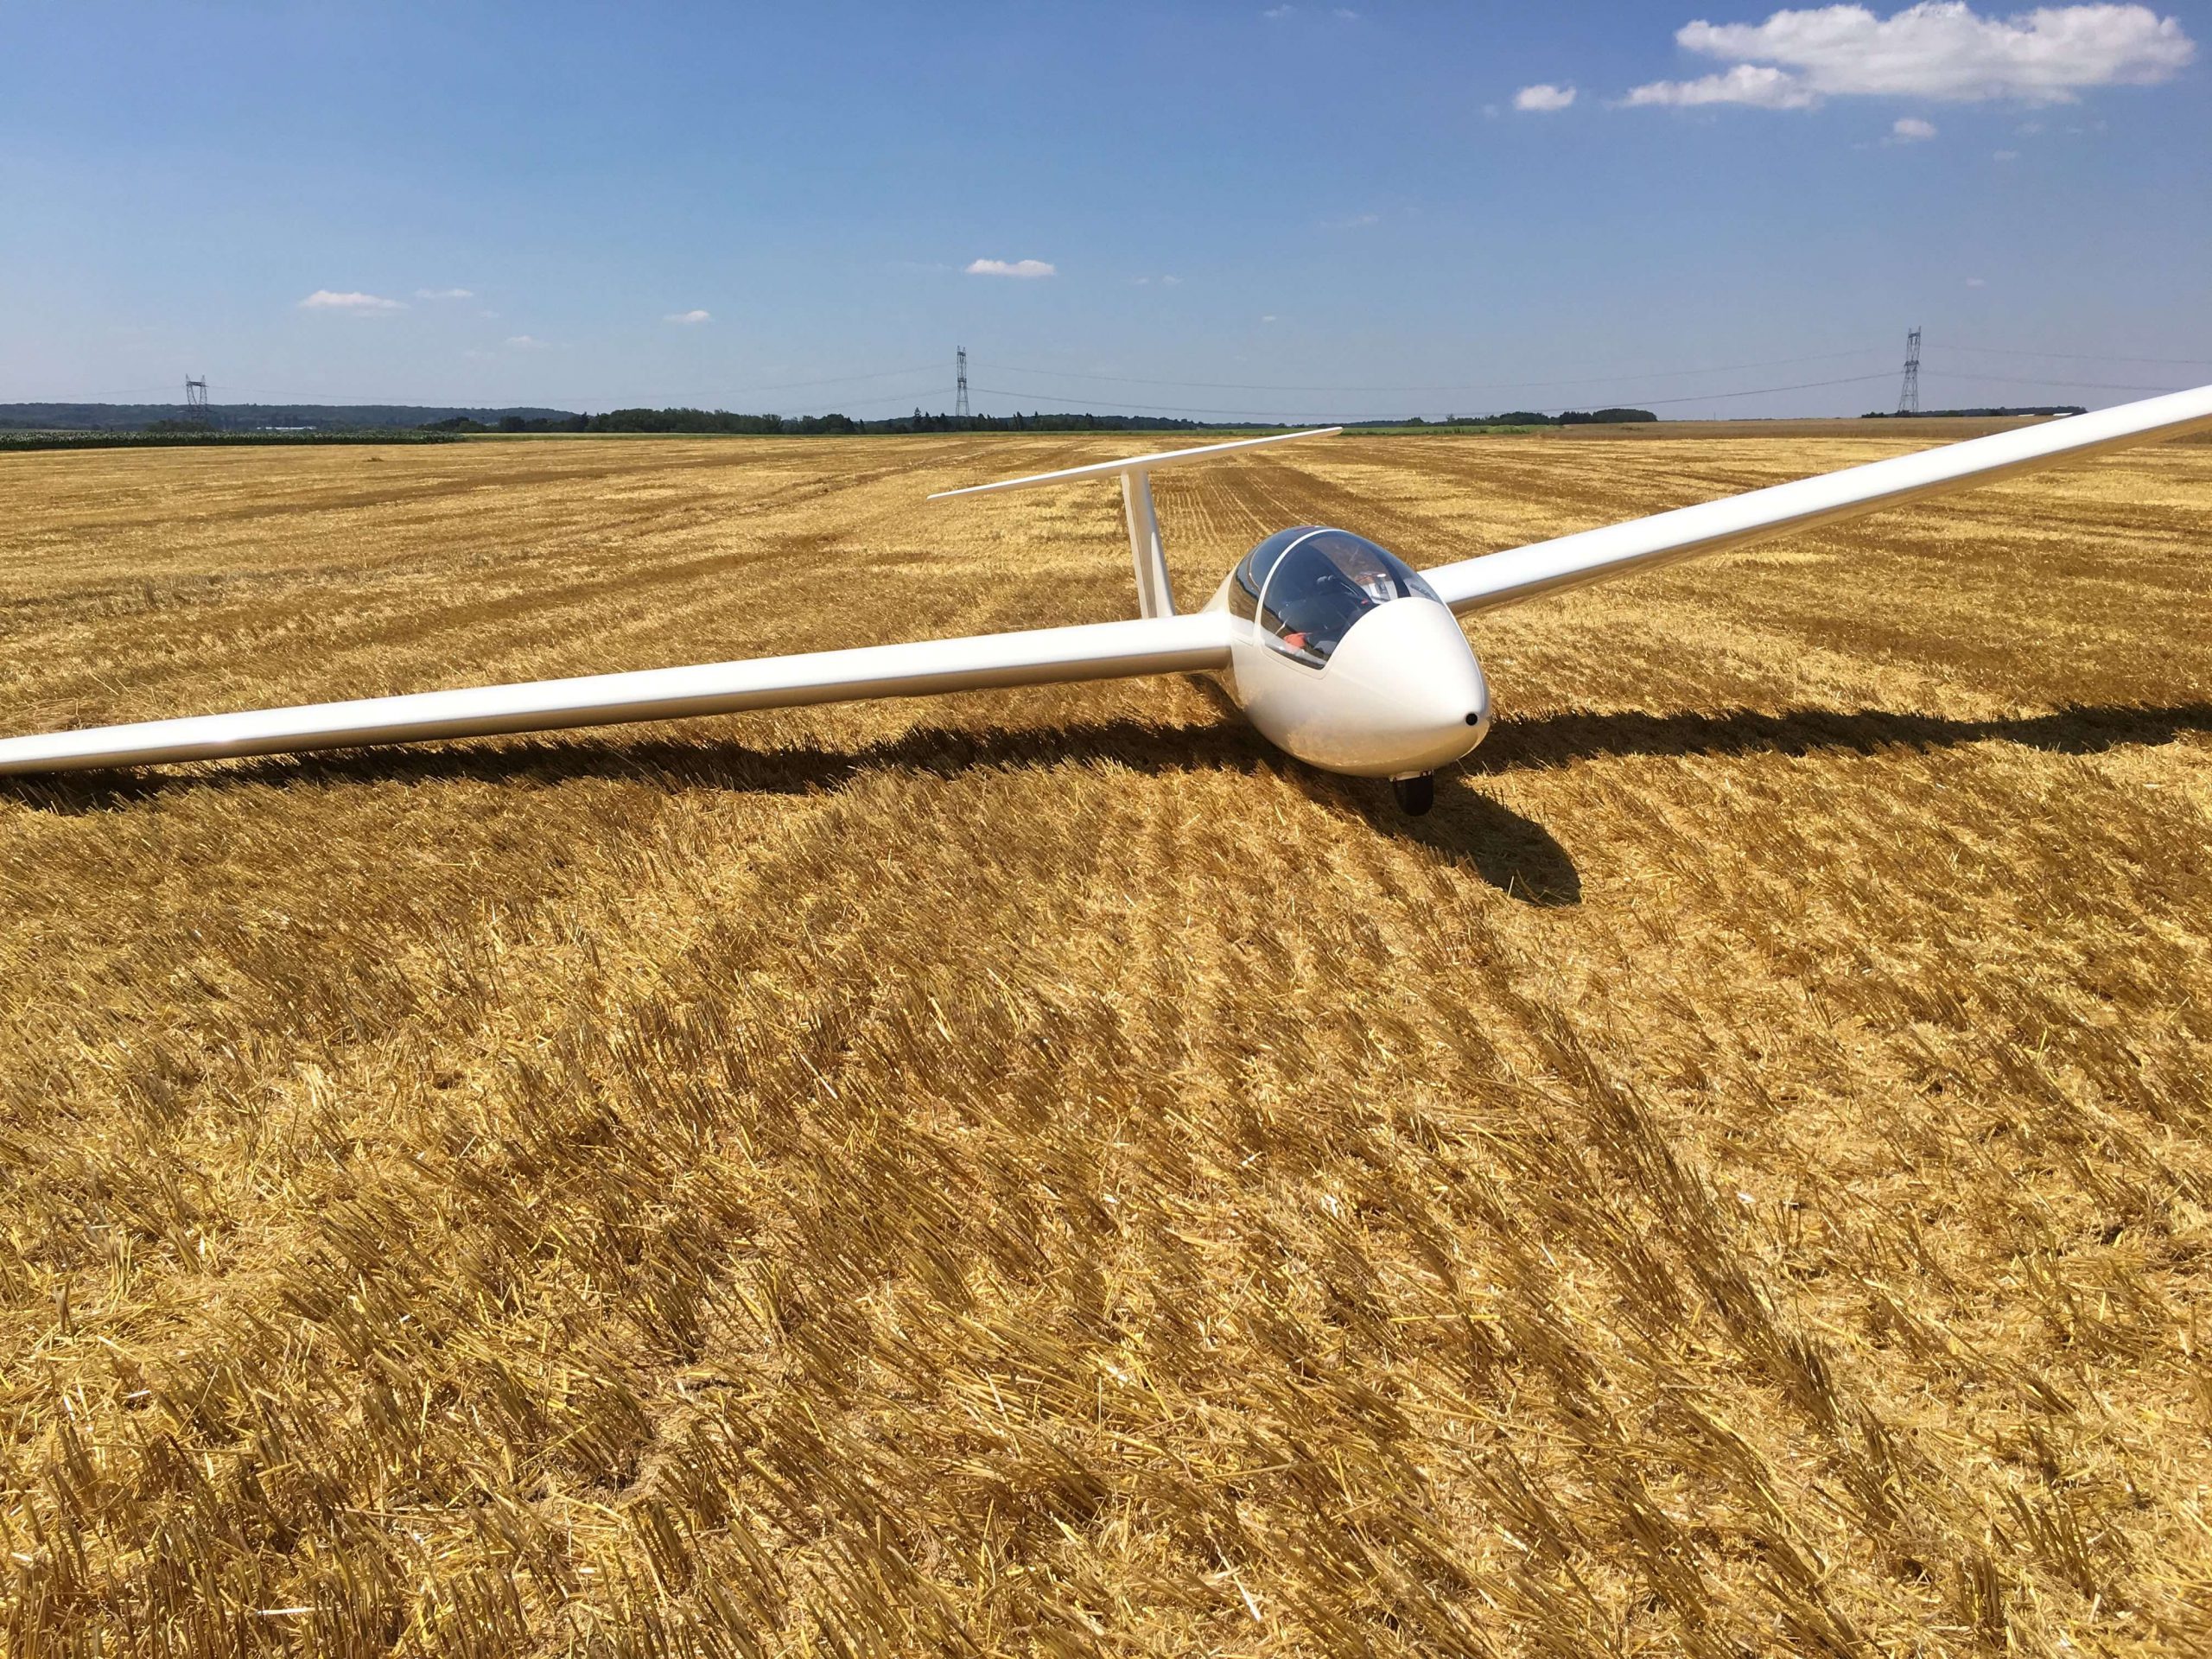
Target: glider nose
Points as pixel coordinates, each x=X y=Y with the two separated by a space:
x=1410 y=696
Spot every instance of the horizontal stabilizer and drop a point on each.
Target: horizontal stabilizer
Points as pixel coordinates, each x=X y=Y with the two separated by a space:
x=1138 y=463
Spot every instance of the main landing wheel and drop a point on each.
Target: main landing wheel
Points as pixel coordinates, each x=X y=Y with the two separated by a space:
x=1415 y=794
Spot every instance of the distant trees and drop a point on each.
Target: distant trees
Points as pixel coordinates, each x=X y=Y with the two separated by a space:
x=1529 y=418
x=1932 y=414
x=1605 y=417
x=169 y=419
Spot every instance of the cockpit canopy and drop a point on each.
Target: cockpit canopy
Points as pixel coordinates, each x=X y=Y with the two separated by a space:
x=1307 y=586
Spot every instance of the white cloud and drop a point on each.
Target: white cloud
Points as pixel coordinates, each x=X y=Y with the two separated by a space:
x=1024 y=268
x=445 y=293
x=1270 y=317
x=526 y=342
x=1911 y=130
x=1756 y=85
x=1976 y=281
x=1278 y=11
x=1938 y=50
x=1170 y=281
x=324 y=299
x=688 y=317
x=2004 y=154
x=1543 y=98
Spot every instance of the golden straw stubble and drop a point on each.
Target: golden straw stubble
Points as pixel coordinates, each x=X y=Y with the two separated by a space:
x=1040 y=1171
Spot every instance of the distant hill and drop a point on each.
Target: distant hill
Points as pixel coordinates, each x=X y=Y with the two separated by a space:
x=237 y=417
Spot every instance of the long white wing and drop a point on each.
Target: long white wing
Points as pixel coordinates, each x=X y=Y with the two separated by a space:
x=1101 y=651
x=1506 y=578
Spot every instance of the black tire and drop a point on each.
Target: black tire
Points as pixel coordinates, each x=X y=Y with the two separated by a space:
x=1415 y=794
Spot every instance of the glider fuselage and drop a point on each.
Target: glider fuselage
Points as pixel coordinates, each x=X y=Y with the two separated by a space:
x=1341 y=656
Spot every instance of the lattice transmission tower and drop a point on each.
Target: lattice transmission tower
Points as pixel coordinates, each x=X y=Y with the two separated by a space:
x=1908 y=394
x=195 y=402
x=960 y=392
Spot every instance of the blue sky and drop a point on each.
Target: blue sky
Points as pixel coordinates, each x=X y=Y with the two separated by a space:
x=1246 y=209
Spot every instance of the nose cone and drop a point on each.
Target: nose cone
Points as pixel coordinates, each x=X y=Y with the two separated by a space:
x=1402 y=693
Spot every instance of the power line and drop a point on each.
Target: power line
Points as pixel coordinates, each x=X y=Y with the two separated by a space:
x=1504 y=386
x=197 y=392
x=1250 y=415
x=2071 y=386
x=2079 y=357
x=833 y=380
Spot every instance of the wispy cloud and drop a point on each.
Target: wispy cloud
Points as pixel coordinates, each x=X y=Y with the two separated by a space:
x=1543 y=98
x=325 y=299
x=1757 y=84
x=1976 y=281
x=1911 y=130
x=2004 y=154
x=1357 y=222
x=527 y=343
x=1021 y=268
x=688 y=317
x=1941 y=49
x=445 y=293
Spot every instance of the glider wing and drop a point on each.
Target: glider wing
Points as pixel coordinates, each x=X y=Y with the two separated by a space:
x=1495 y=579
x=1099 y=650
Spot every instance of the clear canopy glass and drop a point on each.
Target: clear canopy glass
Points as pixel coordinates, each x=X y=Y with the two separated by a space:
x=1306 y=587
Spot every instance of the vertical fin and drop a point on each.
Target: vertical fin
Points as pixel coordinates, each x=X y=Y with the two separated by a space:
x=1147 y=552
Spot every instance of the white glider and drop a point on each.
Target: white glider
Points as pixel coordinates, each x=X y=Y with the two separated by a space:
x=1340 y=654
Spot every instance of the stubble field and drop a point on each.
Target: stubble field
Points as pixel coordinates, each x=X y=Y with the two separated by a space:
x=1038 y=1172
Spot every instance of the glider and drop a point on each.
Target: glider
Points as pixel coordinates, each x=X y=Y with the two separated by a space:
x=1336 y=651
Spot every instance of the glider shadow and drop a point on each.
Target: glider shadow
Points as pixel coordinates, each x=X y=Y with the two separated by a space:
x=1556 y=739
x=1508 y=850
x=1512 y=853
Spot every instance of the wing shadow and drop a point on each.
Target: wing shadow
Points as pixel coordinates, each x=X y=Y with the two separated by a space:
x=1555 y=739
x=1512 y=853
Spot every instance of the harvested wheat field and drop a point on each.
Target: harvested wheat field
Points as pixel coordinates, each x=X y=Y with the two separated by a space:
x=1040 y=1172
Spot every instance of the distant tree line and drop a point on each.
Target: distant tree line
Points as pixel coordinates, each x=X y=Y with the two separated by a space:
x=245 y=418
x=1932 y=414
x=191 y=434
x=172 y=421
x=722 y=421
x=1529 y=418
